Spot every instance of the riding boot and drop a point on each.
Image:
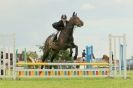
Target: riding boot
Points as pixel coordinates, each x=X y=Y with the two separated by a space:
x=55 y=38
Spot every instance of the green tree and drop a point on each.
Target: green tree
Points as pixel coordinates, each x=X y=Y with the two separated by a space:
x=64 y=55
x=32 y=54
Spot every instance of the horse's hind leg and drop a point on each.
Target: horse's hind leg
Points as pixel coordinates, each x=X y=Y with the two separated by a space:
x=45 y=55
x=52 y=59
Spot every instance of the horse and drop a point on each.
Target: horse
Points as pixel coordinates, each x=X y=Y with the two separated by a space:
x=106 y=58
x=64 y=41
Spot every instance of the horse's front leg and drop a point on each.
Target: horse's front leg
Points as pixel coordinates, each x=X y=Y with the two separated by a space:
x=71 y=46
x=71 y=52
x=76 y=52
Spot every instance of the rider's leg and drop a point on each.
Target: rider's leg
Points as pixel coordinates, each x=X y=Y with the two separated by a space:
x=55 y=38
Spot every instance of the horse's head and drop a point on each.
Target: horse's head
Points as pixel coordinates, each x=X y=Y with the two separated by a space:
x=75 y=20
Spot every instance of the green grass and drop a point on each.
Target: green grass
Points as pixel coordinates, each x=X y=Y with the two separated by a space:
x=70 y=83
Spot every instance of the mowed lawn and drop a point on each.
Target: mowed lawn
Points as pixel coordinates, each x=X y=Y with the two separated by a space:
x=70 y=83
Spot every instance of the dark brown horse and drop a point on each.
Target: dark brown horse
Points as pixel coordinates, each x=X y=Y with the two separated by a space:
x=64 y=41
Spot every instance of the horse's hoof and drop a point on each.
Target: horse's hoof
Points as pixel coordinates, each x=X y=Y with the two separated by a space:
x=70 y=55
x=75 y=57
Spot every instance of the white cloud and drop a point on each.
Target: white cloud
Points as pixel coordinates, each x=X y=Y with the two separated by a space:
x=87 y=6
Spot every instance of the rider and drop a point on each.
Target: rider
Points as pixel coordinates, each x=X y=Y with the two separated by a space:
x=83 y=55
x=60 y=25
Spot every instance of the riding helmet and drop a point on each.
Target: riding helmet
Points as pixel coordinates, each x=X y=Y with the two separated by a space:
x=63 y=16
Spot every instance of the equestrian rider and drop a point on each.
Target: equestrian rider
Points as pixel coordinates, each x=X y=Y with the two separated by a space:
x=60 y=25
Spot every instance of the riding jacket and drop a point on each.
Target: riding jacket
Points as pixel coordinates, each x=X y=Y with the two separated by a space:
x=59 y=25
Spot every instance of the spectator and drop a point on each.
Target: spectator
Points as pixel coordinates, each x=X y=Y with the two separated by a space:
x=83 y=55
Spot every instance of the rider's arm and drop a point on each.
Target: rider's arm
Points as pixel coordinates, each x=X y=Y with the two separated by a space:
x=58 y=25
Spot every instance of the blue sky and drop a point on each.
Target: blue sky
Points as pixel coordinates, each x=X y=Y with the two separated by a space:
x=31 y=20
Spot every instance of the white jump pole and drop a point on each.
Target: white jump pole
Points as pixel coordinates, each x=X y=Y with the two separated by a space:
x=114 y=54
x=14 y=56
x=120 y=73
x=3 y=65
x=124 y=57
x=118 y=55
x=9 y=54
x=7 y=46
x=110 y=55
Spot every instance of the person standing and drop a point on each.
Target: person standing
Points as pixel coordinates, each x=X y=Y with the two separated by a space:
x=83 y=55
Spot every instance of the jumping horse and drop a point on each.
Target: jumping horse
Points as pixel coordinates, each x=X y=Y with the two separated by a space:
x=64 y=41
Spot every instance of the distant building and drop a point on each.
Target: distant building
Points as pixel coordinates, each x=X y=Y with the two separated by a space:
x=130 y=63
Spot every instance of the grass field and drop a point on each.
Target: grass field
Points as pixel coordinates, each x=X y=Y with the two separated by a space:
x=70 y=83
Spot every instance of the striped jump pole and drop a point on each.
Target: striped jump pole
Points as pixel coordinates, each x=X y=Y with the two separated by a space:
x=91 y=72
